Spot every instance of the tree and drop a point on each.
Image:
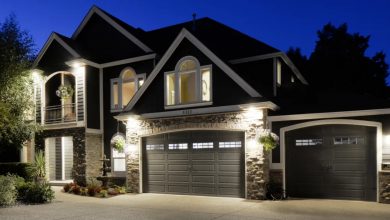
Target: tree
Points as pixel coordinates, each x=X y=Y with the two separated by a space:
x=16 y=90
x=339 y=62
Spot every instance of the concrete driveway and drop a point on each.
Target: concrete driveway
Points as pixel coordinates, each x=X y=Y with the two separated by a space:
x=170 y=207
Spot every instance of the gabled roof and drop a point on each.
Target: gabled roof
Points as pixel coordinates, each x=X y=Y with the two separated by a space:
x=63 y=41
x=221 y=64
x=119 y=25
x=227 y=43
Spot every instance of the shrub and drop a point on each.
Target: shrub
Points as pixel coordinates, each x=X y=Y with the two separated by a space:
x=19 y=169
x=103 y=193
x=83 y=191
x=38 y=193
x=8 y=191
x=67 y=187
x=76 y=189
x=38 y=169
x=92 y=187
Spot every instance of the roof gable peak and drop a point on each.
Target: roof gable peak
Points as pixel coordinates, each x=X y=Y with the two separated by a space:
x=108 y=18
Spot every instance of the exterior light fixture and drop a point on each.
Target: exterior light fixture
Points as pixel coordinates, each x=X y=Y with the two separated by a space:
x=253 y=113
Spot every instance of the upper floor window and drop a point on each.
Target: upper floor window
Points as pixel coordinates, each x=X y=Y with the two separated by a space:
x=124 y=88
x=190 y=83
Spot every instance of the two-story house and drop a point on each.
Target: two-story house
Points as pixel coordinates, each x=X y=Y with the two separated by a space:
x=190 y=101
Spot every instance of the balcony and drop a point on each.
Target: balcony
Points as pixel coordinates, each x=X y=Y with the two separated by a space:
x=60 y=113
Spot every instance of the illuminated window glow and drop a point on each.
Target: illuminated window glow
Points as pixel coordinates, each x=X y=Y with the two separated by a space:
x=190 y=83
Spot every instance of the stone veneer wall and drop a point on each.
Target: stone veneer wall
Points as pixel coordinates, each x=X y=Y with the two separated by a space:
x=256 y=163
x=79 y=162
x=93 y=155
x=384 y=186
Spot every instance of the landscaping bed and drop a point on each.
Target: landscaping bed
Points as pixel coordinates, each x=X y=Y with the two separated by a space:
x=94 y=190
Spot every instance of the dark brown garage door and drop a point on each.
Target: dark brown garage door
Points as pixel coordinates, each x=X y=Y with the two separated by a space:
x=331 y=161
x=194 y=162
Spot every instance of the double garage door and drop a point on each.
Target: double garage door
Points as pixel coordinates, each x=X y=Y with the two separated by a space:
x=194 y=162
x=331 y=161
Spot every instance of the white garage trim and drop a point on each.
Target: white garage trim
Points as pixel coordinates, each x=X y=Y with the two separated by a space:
x=378 y=125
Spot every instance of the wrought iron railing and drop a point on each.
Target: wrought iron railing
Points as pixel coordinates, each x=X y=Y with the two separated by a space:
x=60 y=113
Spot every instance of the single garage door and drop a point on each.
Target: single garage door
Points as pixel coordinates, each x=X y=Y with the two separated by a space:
x=194 y=162
x=331 y=161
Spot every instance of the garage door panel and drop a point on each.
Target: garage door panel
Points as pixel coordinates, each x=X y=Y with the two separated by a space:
x=228 y=168
x=203 y=168
x=178 y=178
x=203 y=178
x=178 y=156
x=210 y=190
x=229 y=156
x=156 y=167
x=177 y=167
x=156 y=188
x=358 y=167
x=329 y=169
x=155 y=156
x=229 y=179
x=174 y=188
x=156 y=177
x=205 y=156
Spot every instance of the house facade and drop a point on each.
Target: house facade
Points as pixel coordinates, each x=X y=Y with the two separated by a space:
x=190 y=101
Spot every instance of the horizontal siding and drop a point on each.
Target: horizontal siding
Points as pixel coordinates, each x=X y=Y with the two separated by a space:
x=38 y=104
x=80 y=98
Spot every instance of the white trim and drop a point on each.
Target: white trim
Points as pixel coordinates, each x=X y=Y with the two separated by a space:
x=384 y=111
x=282 y=55
x=101 y=100
x=379 y=145
x=115 y=25
x=53 y=37
x=64 y=125
x=62 y=158
x=199 y=111
x=189 y=105
x=93 y=131
x=186 y=34
x=129 y=60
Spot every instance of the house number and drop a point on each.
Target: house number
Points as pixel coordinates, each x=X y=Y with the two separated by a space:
x=187 y=112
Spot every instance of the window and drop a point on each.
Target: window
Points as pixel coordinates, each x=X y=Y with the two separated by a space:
x=179 y=146
x=206 y=145
x=118 y=158
x=308 y=142
x=348 y=140
x=189 y=84
x=155 y=147
x=124 y=88
x=231 y=144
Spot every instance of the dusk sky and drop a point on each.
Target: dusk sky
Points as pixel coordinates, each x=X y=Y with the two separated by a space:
x=281 y=24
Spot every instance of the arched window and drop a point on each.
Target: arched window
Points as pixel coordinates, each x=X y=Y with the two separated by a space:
x=124 y=88
x=190 y=83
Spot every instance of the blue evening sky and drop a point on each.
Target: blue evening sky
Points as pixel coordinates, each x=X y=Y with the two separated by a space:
x=281 y=24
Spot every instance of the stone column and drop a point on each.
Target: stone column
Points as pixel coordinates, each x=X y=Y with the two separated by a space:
x=132 y=151
x=384 y=186
x=255 y=158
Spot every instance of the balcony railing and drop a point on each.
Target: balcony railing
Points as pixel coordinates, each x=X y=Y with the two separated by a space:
x=60 y=113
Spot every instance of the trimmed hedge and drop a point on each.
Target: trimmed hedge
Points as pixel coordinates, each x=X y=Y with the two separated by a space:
x=16 y=169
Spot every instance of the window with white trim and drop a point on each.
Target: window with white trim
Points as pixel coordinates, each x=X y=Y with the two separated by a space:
x=155 y=147
x=308 y=142
x=118 y=158
x=348 y=140
x=178 y=146
x=188 y=84
x=230 y=144
x=205 y=145
x=124 y=88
